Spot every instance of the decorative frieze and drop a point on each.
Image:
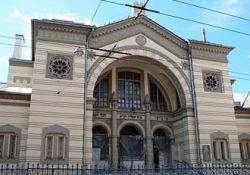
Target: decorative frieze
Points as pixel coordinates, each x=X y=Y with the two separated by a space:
x=131 y=116
x=101 y=115
x=160 y=117
x=64 y=37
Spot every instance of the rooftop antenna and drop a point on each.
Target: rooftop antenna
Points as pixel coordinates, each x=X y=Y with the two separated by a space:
x=204 y=34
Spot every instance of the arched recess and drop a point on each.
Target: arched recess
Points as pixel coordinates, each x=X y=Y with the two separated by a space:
x=168 y=131
x=162 y=147
x=132 y=123
x=104 y=125
x=100 y=142
x=131 y=144
x=170 y=67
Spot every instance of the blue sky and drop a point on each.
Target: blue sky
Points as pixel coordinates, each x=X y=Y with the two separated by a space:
x=16 y=16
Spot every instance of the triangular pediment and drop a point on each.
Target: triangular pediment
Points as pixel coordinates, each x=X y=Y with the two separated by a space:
x=123 y=29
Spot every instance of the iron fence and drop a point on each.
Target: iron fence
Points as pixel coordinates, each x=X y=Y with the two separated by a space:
x=77 y=169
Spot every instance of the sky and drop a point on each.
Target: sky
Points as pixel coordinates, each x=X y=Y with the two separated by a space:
x=16 y=18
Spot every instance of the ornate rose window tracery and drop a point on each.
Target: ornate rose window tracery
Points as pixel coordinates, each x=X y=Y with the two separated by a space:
x=59 y=67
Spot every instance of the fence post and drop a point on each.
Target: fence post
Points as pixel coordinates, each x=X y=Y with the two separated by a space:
x=27 y=169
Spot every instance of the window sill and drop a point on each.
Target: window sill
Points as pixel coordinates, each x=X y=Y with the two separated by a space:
x=222 y=162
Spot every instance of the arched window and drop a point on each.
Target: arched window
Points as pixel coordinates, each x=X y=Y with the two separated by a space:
x=55 y=144
x=220 y=147
x=158 y=102
x=101 y=93
x=129 y=90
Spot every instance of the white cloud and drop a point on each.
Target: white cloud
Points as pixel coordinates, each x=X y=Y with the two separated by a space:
x=64 y=16
x=239 y=97
x=25 y=19
x=233 y=7
x=16 y=13
x=87 y=21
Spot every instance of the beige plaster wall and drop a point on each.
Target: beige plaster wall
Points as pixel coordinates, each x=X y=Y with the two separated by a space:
x=56 y=102
x=215 y=109
x=16 y=113
x=20 y=75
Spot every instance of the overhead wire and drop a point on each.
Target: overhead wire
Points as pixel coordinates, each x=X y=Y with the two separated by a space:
x=141 y=8
x=212 y=10
x=92 y=19
x=182 y=18
x=158 y=59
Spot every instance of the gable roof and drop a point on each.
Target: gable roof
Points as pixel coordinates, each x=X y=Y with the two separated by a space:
x=144 y=20
x=142 y=23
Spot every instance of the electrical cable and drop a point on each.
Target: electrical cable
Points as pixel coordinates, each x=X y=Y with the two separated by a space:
x=182 y=18
x=212 y=10
x=160 y=59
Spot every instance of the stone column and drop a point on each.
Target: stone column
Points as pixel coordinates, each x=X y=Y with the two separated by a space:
x=149 y=143
x=114 y=154
x=172 y=154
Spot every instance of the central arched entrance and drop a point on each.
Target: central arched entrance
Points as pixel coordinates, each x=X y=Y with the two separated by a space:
x=162 y=148
x=131 y=152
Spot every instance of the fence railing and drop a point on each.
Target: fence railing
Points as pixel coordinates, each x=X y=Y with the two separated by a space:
x=78 y=169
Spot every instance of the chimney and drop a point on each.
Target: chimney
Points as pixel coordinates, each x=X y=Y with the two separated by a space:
x=18 y=46
x=135 y=11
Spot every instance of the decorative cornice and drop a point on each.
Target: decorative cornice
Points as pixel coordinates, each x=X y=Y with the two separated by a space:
x=14 y=96
x=19 y=62
x=241 y=110
x=210 y=47
x=62 y=26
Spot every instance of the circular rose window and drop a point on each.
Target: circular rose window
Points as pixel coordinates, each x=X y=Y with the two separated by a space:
x=211 y=81
x=59 y=67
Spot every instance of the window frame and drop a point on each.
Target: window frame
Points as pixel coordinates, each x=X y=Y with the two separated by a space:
x=220 y=153
x=97 y=100
x=141 y=83
x=55 y=132
x=244 y=146
x=158 y=90
x=7 y=131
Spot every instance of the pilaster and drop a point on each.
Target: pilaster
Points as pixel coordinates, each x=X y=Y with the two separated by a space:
x=114 y=146
x=149 y=143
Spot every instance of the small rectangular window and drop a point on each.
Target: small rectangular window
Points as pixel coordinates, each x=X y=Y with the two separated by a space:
x=12 y=146
x=1 y=145
x=223 y=150
x=61 y=147
x=248 y=150
x=215 y=149
x=49 y=147
x=241 y=151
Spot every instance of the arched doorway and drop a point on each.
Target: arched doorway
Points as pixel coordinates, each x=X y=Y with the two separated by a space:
x=162 y=148
x=131 y=151
x=100 y=145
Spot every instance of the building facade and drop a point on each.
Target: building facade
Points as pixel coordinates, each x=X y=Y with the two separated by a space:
x=152 y=99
